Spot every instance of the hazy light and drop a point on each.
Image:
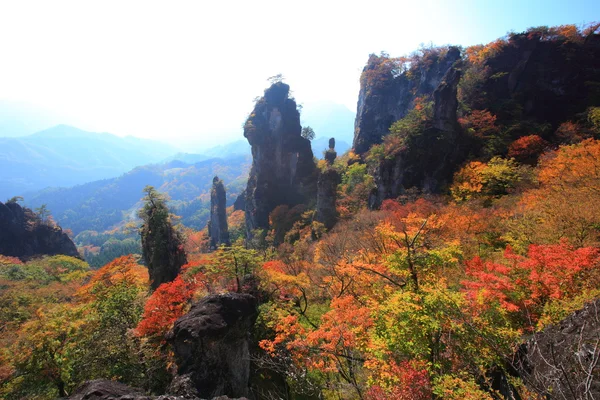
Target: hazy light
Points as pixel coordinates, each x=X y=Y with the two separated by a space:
x=187 y=71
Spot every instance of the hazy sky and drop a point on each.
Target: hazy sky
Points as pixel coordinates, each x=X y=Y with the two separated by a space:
x=188 y=70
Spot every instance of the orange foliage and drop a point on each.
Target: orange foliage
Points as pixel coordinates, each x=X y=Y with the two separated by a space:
x=122 y=270
x=196 y=242
x=6 y=260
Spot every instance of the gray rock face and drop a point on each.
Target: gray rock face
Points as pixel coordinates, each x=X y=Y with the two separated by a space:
x=283 y=171
x=380 y=104
x=562 y=361
x=211 y=346
x=430 y=159
x=217 y=226
x=23 y=234
x=446 y=102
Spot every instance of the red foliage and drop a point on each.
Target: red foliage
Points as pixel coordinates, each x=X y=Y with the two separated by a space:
x=571 y=132
x=481 y=122
x=411 y=382
x=527 y=149
x=526 y=283
x=167 y=303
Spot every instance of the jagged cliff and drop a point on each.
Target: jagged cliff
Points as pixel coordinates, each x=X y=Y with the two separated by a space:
x=535 y=76
x=25 y=235
x=385 y=97
x=527 y=83
x=430 y=155
x=283 y=171
x=217 y=226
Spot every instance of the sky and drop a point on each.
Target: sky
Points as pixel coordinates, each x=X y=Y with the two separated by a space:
x=187 y=72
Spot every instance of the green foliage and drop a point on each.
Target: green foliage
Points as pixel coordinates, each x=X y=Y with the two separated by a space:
x=14 y=199
x=594 y=117
x=235 y=263
x=308 y=133
x=42 y=212
x=104 y=205
x=162 y=245
x=354 y=176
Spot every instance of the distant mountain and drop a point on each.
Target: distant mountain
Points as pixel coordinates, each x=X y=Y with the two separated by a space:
x=329 y=120
x=22 y=119
x=237 y=148
x=186 y=158
x=66 y=156
x=105 y=204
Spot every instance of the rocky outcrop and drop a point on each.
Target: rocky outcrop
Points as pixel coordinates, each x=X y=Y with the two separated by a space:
x=386 y=98
x=103 y=389
x=240 y=201
x=562 y=361
x=162 y=245
x=283 y=171
x=217 y=226
x=329 y=179
x=445 y=102
x=211 y=346
x=546 y=81
x=25 y=235
x=430 y=158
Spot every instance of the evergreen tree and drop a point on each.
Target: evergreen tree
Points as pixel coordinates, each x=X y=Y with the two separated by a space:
x=162 y=246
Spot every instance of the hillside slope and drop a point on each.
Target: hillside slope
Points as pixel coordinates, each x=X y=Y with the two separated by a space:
x=102 y=204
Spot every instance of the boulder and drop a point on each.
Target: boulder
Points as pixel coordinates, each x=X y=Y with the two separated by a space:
x=562 y=361
x=211 y=346
x=103 y=389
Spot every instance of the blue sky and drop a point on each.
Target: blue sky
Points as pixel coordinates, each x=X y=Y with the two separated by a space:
x=187 y=71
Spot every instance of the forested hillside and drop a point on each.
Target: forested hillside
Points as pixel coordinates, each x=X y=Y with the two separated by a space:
x=106 y=204
x=452 y=253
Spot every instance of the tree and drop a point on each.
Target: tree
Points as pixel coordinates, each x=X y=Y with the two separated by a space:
x=527 y=149
x=308 y=133
x=162 y=245
x=14 y=199
x=42 y=212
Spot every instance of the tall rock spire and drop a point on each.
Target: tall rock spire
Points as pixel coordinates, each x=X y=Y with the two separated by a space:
x=326 y=213
x=217 y=226
x=283 y=170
